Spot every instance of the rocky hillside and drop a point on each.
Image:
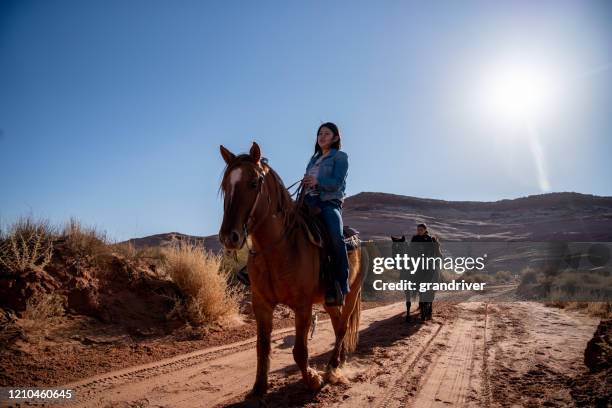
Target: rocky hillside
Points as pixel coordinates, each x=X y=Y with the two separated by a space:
x=545 y=217
x=161 y=240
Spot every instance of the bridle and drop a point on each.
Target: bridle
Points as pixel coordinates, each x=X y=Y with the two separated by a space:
x=248 y=228
x=260 y=182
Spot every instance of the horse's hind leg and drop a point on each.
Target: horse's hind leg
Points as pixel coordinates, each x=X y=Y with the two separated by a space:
x=335 y=316
x=263 y=316
x=300 y=351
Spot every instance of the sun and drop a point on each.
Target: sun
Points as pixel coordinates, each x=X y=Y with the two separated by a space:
x=518 y=91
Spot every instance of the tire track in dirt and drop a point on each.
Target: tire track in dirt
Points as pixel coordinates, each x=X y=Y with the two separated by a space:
x=447 y=371
x=88 y=389
x=221 y=374
x=447 y=368
x=454 y=359
x=486 y=380
x=206 y=377
x=412 y=360
x=451 y=370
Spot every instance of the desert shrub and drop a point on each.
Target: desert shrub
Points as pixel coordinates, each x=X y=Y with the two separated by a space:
x=151 y=254
x=84 y=242
x=44 y=306
x=477 y=278
x=529 y=276
x=27 y=244
x=595 y=309
x=567 y=285
x=125 y=249
x=581 y=286
x=503 y=276
x=40 y=309
x=600 y=309
x=209 y=297
x=585 y=290
x=233 y=261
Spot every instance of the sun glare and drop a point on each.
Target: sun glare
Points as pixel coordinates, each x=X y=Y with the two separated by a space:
x=521 y=94
x=518 y=92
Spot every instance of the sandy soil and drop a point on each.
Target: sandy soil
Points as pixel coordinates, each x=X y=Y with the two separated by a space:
x=484 y=352
x=74 y=347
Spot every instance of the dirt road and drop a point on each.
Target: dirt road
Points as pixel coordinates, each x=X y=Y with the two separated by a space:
x=474 y=353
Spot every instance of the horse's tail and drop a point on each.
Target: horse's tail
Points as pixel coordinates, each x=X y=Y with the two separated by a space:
x=352 y=331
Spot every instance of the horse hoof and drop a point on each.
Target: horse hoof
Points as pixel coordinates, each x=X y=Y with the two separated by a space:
x=255 y=398
x=313 y=380
x=335 y=376
x=254 y=402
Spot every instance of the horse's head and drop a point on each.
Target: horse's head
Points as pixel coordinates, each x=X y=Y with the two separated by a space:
x=241 y=185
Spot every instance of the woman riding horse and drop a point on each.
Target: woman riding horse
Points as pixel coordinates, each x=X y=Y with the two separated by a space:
x=325 y=182
x=284 y=263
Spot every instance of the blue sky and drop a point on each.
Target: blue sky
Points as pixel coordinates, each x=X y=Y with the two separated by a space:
x=113 y=111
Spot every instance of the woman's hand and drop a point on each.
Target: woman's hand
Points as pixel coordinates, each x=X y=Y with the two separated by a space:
x=309 y=181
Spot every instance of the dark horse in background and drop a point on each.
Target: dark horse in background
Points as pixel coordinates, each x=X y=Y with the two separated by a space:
x=283 y=264
x=417 y=248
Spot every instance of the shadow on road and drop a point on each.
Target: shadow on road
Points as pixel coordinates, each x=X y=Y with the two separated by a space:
x=382 y=333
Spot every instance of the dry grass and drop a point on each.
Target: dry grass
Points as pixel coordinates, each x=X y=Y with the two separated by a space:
x=43 y=307
x=28 y=244
x=583 y=290
x=502 y=276
x=233 y=261
x=595 y=309
x=153 y=257
x=151 y=254
x=85 y=242
x=40 y=310
x=198 y=274
x=125 y=249
x=529 y=276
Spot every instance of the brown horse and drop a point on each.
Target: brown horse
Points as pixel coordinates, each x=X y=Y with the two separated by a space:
x=283 y=265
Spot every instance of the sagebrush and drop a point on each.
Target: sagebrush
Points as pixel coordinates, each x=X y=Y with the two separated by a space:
x=198 y=273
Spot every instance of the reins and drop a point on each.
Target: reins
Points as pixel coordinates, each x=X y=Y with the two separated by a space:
x=288 y=229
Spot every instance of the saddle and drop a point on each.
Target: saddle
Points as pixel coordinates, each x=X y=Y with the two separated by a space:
x=319 y=236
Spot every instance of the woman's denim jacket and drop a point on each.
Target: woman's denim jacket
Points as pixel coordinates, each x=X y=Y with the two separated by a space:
x=332 y=174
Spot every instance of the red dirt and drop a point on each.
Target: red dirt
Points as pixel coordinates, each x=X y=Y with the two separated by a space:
x=471 y=354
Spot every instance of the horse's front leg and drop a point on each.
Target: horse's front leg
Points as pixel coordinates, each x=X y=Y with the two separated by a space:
x=263 y=315
x=300 y=350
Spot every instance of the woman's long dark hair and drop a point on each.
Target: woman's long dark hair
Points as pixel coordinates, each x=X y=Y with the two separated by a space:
x=335 y=145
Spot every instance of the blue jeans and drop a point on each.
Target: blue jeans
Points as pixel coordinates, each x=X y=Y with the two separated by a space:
x=331 y=214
